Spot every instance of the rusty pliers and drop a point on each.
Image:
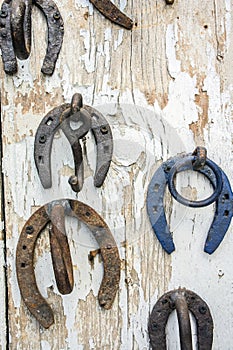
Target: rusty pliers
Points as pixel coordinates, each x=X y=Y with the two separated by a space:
x=90 y=119
x=15 y=33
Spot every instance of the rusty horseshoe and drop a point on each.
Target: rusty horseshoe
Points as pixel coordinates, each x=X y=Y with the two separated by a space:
x=15 y=33
x=181 y=300
x=90 y=119
x=49 y=213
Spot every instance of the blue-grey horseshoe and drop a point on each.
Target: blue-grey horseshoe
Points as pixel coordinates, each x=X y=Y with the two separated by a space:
x=156 y=212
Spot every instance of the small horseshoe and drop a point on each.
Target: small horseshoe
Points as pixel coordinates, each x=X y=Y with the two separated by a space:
x=15 y=31
x=182 y=300
x=112 y=12
x=223 y=204
x=36 y=304
x=21 y=27
x=59 y=117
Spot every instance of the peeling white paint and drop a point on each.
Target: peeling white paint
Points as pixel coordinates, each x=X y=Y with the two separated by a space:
x=112 y=69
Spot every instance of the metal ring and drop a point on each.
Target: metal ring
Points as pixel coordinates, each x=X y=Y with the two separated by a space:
x=185 y=162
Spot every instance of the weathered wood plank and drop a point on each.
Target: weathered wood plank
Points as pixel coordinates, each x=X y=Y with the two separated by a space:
x=175 y=65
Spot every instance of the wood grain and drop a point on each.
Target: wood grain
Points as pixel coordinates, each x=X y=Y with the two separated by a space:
x=164 y=87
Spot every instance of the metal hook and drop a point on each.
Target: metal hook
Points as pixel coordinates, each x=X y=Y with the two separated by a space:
x=36 y=304
x=182 y=301
x=222 y=196
x=60 y=118
x=15 y=33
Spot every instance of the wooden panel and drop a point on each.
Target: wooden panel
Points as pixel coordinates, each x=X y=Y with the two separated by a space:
x=165 y=87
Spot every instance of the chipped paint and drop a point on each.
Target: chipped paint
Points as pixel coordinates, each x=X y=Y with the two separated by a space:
x=163 y=89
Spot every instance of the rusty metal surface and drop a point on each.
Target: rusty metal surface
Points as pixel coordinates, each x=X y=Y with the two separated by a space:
x=201 y=157
x=6 y=42
x=60 y=251
x=164 y=307
x=112 y=12
x=74 y=136
x=61 y=117
x=55 y=34
x=15 y=33
x=180 y=303
x=21 y=27
x=25 y=253
x=104 y=144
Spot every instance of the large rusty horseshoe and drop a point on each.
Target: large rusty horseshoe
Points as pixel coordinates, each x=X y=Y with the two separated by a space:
x=181 y=300
x=25 y=254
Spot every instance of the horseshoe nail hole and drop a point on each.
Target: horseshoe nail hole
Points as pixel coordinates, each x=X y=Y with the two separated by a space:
x=88 y=214
x=3 y=14
x=23 y=265
x=41 y=159
x=154 y=326
x=164 y=301
x=49 y=121
x=104 y=130
x=193 y=298
x=155 y=209
x=225 y=196
x=56 y=15
x=42 y=139
x=24 y=247
x=109 y=247
x=29 y=230
x=167 y=169
x=202 y=310
x=226 y=213
x=156 y=188
x=95 y=116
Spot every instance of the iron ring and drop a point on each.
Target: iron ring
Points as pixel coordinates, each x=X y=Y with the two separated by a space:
x=184 y=164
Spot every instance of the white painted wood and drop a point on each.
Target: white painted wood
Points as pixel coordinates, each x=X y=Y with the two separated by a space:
x=165 y=87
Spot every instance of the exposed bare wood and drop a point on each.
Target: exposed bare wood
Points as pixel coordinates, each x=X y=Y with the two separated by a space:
x=164 y=87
